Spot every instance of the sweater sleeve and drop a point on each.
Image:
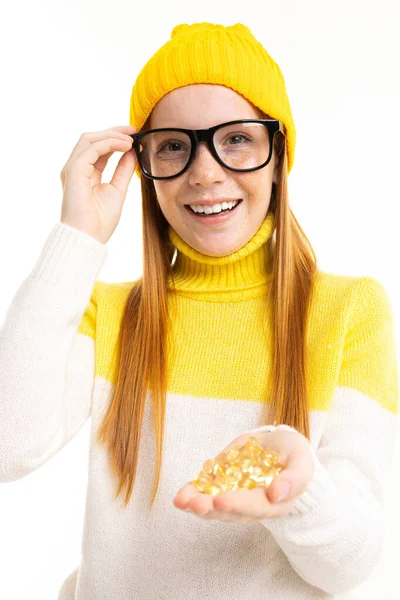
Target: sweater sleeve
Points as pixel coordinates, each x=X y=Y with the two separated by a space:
x=334 y=534
x=46 y=365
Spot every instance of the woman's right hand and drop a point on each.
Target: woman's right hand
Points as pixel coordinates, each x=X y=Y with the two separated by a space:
x=88 y=204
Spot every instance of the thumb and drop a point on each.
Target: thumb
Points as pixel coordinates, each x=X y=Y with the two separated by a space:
x=124 y=171
x=294 y=479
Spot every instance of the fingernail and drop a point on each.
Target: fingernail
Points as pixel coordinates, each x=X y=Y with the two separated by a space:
x=284 y=491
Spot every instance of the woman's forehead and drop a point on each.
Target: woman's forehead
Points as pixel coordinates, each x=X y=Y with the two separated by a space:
x=201 y=105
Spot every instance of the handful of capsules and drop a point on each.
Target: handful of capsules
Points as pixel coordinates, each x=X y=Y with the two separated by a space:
x=241 y=468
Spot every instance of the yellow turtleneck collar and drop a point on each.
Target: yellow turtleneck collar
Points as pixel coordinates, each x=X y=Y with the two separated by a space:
x=237 y=276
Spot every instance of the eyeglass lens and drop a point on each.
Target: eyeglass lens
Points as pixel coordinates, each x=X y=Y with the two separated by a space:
x=241 y=146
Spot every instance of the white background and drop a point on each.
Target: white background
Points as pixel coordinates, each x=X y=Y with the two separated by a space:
x=69 y=67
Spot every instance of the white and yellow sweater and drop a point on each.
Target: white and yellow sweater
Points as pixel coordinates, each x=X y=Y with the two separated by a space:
x=57 y=369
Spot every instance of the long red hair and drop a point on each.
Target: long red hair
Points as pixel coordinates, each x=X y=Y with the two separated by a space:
x=142 y=338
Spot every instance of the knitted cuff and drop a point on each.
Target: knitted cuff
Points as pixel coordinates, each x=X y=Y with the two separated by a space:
x=268 y=428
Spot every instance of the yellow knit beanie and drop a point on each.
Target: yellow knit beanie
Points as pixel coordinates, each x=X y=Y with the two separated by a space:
x=210 y=53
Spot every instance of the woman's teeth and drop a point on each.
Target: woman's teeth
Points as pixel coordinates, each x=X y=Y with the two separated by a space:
x=215 y=209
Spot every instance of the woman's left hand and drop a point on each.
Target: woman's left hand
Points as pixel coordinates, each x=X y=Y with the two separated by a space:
x=252 y=506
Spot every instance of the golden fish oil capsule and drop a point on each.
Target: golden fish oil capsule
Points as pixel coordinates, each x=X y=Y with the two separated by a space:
x=241 y=468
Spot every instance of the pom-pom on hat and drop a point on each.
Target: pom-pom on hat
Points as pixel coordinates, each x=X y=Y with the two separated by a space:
x=212 y=53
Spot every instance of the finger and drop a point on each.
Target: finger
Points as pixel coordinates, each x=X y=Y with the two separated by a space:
x=201 y=504
x=122 y=132
x=253 y=504
x=189 y=498
x=123 y=128
x=93 y=152
x=185 y=495
x=226 y=517
x=249 y=503
x=198 y=508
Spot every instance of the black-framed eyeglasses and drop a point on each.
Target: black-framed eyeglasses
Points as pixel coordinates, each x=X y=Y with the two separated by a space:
x=241 y=145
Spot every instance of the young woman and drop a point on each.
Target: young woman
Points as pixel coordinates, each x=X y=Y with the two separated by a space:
x=231 y=331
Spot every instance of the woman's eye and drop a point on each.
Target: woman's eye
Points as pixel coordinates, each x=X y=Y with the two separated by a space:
x=170 y=147
x=240 y=137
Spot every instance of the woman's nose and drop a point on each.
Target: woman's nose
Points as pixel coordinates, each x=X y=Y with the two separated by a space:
x=205 y=168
